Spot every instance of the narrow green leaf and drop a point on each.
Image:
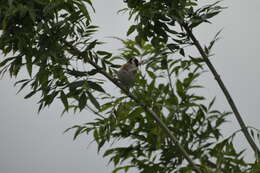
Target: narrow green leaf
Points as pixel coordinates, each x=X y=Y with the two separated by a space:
x=90 y=3
x=173 y=47
x=164 y=63
x=77 y=84
x=30 y=94
x=82 y=101
x=108 y=152
x=101 y=143
x=29 y=65
x=93 y=100
x=180 y=89
x=77 y=73
x=23 y=85
x=6 y=60
x=211 y=103
x=64 y=100
x=49 y=98
x=182 y=52
x=136 y=112
x=92 y=45
x=77 y=133
x=83 y=9
x=106 y=106
x=216 y=38
x=92 y=72
x=95 y=135
x=95 y=86
x=151 y=74
x=21 y=81
x=102 y=52
x=131 y=30
x=252 y=133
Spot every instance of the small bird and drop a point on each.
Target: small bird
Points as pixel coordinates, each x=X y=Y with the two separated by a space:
x=127 y=73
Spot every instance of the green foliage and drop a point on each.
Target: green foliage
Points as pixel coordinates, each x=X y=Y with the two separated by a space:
x=157 y=20
x=53 y=41
x=196 y=125
x=34 y=31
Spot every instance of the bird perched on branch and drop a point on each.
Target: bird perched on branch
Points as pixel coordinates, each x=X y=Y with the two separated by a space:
x=127 y=73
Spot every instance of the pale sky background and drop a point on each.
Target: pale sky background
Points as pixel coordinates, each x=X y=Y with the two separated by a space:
x=32 y=143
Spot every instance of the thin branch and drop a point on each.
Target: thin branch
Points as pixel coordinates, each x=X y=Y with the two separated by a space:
x=94 y=112
x=169 y=77
x=145 y=107
x=224 y=89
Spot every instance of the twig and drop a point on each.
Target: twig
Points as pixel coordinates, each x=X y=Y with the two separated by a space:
x=224 y=89
x=95 y=112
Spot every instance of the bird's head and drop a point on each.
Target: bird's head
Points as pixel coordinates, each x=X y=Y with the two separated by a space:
x=133 y=61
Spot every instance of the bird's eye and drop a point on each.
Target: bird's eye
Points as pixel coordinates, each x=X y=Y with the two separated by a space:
x=136 y=62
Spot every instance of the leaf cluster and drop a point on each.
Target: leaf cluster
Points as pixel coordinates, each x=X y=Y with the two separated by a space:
x=160 y=21
x=33 y=33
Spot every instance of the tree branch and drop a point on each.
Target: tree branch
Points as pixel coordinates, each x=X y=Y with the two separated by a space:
x=224 y=89
x=145 y=107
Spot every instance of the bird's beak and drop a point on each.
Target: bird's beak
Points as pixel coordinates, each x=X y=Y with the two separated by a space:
x=142 y=62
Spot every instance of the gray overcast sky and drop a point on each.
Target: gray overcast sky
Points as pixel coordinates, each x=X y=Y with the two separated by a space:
x=34 y=143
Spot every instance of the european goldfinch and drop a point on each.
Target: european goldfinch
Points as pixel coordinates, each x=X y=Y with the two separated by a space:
x=127 y=72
